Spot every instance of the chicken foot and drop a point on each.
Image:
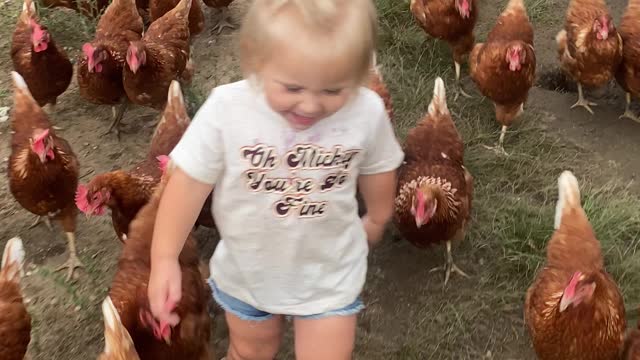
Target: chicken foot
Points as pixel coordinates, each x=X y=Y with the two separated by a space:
x=459 y=91
x=40 y=219
x=118 y=113
x=223 y=21
x=73 y=262
x=449 y=266
x=499 y=149
x=627 y=111
x=582 y=101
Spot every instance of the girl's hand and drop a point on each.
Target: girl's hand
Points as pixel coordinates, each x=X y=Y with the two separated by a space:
x=165 y=290
x=374 y=231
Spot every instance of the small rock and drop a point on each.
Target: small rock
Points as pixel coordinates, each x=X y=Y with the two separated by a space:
x=481 y=261
x=28 y=273
x=54 y=301
x=77 y=308
x=27 y=300
x=93 y=298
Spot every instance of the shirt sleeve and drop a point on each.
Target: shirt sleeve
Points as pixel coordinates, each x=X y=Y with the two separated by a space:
x=200 y=152
x=383 y=152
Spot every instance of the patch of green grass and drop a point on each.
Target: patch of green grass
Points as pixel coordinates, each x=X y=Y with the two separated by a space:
x=515 y=196
x=543 y=12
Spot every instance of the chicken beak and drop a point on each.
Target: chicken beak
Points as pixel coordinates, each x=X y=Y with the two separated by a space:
x=419 y=223
x=564 y=303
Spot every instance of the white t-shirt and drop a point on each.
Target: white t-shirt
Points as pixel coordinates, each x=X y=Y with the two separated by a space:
x=284 y=202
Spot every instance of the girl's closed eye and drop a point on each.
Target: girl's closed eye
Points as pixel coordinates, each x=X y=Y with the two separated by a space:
x=293 y=88
x=333 y=92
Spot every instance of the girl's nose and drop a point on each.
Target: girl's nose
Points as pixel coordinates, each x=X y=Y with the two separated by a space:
x=310 y=105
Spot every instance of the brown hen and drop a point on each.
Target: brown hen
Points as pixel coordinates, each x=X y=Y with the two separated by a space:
x=160 y=57
x=433 y=201
x=45 y=68
x=100 y=68
x=157 y=341
x=126 y=192
x=43 y=170
x=157 y=8
x=628 y=74
x=589 y=47
x=452 y=21
x=117 y=341
x=15 y=322
x=223 y=17
x=504 y=66
x=574 y=309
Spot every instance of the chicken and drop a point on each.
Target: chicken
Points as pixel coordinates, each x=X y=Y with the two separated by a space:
x=15 y=322
x=88 y=8
x=435 y=190
x=117 y=341
x=504 y=67
x=632 y=345
x=44 y=66
x=43 y=170
x=157 y=8
x=376 y=83
x=452 y=21
x=190 y=338
x=100 y=67
x=160 y=57
x=223 y=16
x=628 y=74
x=589 y=47
x=574 y=309
x=126 y=192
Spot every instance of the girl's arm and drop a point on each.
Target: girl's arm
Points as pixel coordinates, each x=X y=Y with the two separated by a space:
x=179 y=207
x=378 y=192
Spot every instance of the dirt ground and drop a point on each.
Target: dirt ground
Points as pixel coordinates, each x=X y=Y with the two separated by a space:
x=67 y=322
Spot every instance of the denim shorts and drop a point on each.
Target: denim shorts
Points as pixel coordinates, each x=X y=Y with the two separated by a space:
x=247 y=312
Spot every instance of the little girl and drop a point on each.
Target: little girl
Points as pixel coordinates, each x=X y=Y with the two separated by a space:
x=285 y=149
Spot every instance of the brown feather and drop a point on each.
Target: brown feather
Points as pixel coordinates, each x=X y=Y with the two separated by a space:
x=41 y=188
x=44 y=83
x=189 y=339
x=166 y=44
x=586 y=59
x=441 y=20
x=628 y=74
x=434 y=160
x=489 y=68
x=157 y=8
x=118 y=26
x=591 y=330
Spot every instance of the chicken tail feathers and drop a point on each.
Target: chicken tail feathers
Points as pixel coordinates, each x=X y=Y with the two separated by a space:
x=438 y=103
x=12 y=260
x=29 y=7
x=515 y=4
x=568 y=195
x=184 y=5
x=116 y=337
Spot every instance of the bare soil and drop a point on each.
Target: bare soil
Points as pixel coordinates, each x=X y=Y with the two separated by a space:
x=67 y=322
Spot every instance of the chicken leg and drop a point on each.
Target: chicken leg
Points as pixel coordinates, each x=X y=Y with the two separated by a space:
x=500 y=147
x=73 y=262
x=118 y=113
x=582 y=101
x=627 y=111
x=223 y=21
x=459 y=91
x=40 y=219
x=449 y=266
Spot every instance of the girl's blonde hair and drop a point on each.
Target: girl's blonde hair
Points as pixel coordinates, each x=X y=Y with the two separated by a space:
x=343 y=28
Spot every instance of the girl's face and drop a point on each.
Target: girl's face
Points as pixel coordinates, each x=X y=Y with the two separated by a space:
x=306 y=89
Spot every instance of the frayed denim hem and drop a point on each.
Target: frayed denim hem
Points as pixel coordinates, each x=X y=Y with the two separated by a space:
x=235 y=306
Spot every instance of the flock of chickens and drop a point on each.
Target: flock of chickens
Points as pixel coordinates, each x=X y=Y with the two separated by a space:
x=124 y=65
